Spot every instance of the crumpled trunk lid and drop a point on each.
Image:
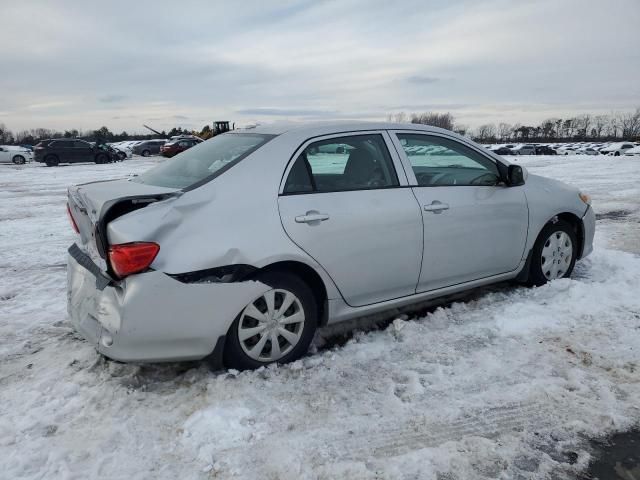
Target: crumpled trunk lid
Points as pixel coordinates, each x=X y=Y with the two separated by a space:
x=94 y=205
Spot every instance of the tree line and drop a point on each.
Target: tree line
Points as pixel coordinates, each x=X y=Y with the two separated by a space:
x=585 y=128
x=101 y=135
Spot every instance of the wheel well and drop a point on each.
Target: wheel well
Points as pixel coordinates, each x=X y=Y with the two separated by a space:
x=310 y=276
x=577 y=225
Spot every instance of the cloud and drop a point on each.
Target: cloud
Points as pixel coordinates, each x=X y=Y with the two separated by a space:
x=308 y=59
x=112 y=98
x=422 y=80
x=288 y=112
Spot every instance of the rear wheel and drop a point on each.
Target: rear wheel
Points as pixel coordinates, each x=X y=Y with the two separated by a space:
x=554 y=253
x=51 y=161
x=18 y=160
x=276 y=327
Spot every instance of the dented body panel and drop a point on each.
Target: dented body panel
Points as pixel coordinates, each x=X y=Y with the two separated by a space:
x=234 y=220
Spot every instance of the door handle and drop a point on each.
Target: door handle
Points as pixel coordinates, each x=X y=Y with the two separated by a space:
x=312 y=217
x=436 y=207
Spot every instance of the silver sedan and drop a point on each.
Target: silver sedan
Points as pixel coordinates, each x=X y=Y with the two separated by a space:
x=238 y=249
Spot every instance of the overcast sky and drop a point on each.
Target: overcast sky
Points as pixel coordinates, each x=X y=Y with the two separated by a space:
x=84 y=64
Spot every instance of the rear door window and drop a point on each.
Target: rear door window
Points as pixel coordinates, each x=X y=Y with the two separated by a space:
x=359 y=162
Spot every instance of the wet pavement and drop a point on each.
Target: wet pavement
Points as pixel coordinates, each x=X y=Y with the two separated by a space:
x=616 y=458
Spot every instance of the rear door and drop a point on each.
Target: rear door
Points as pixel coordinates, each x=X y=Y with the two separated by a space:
x=474 y=225
x=345 y=201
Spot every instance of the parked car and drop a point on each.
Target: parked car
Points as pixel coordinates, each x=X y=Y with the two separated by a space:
x=53 y=152
x=566 y=150
x=617 y=149
x=545 y=150
x=148 y=147
x=240 y=248
x=524 y=150
x=121 y=150
x=632 y=151
x=16 y=155
x=174 y=147
x=502 y=151
x=587 y=151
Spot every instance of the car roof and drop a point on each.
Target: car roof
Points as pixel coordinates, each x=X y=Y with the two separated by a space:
x=327 y=128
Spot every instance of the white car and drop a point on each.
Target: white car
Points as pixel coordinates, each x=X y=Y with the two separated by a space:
x=633 y=151
x=566 y=151
x=122 y=150
x=617 y=149
x=17 y=155
x=587 y=151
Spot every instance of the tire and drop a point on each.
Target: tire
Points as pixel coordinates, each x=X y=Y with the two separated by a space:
x=51 y=161
x=541 y=272
x=146 y=153
x=617 y=154
x=236 y=352
x=122 y=156
x=18 y=160
x=101 y=158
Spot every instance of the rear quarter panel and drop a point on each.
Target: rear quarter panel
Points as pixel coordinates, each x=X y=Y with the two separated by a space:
x=233 y=219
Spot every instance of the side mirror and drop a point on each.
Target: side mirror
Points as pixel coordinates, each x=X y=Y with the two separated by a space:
x=516 y=175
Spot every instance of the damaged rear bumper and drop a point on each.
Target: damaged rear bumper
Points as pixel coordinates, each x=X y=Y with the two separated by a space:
x=151 y=317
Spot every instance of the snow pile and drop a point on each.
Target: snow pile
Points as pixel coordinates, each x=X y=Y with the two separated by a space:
x=504 y=385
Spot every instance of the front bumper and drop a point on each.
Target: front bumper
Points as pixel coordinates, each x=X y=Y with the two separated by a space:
x=589 y=225
x=150 y=317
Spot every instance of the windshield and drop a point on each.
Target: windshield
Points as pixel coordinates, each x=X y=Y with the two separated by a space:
x=204 y=161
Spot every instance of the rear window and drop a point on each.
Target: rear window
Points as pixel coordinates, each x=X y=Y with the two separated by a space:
x=204 y=161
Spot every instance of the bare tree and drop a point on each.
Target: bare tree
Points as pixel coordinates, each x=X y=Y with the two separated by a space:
x=599 y=124
x=486 y=132
x=400 y=117
x=504 y=131
x=5 y=134
x=629 y=124
x=582 y=124
x=442 y=120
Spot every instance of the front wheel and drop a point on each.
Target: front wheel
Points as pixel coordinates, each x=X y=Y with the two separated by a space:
x=276 y=327
x=101 y=158
x=554 y=253
x=146 y=153
x=19 y=160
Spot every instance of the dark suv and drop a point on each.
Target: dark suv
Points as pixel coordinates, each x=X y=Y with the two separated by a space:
x=64 y=150
x=174 y=147
x=148 y=147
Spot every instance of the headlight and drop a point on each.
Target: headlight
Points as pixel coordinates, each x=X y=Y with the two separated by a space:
x=585 y=198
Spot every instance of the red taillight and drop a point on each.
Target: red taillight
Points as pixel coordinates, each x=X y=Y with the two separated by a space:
x=129 y=258
x=72 y=220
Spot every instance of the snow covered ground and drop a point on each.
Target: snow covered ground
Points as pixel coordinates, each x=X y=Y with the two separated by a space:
x=507 y=384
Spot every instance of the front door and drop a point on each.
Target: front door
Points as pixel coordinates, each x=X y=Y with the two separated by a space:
x=344 y=204
x=474 y=225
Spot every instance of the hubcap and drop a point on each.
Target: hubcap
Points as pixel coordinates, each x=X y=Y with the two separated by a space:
x=271 y=326
x=557 y=254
